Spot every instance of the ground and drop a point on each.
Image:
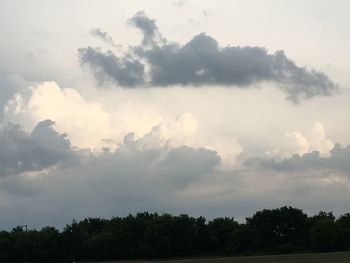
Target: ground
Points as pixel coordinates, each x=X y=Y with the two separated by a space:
x=340 y=257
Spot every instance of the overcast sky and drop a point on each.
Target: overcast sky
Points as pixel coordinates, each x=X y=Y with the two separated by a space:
x=213 y=108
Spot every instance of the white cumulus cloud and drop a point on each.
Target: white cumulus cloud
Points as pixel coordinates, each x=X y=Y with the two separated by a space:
x=85 y=122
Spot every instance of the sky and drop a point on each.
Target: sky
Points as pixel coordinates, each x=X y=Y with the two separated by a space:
x=209 y=108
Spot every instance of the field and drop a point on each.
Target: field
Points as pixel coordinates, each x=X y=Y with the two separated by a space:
x=298 y=258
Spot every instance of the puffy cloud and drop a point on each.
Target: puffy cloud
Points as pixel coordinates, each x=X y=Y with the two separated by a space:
x=124 y=71
x=337 y=161
x=45 y=133
x=300 y=143
x=90 y=126
x=22 y=152
x=85 y=122
x=228 y=149
x=202 y=62
x=316 y=141
x=128 y=179
x=181 y=131
x=146 y=25
x=162 y=177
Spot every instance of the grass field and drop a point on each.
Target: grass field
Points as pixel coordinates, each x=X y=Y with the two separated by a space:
x=297 y=258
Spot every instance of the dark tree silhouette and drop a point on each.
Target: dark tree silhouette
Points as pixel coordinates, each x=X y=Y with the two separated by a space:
x=151 y=235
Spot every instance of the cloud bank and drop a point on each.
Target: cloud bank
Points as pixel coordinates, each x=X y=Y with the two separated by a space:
x=202 y=62
x=155 y=172
x=42 y=168
x=63 y=182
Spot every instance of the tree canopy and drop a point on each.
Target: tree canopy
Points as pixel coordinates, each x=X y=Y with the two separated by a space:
x=152 y=235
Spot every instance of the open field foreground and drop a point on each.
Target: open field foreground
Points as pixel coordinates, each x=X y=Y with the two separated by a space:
x=297 y=258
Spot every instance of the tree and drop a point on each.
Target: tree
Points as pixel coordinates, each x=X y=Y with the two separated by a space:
x=47 y=245
x=223 y=236
x=278 y=230
x=323 y=235
x=343 y=232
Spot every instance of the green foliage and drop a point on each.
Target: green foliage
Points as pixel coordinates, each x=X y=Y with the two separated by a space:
x=323 y=235
x=151 y=235
x=343 y=232
x=223 y=235
x=279 y=230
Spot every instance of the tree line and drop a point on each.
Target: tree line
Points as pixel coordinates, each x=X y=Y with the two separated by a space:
x=151 y=235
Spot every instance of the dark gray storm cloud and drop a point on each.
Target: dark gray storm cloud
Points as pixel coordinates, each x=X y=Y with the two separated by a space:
x=184 y=164
x=144 y=176
x=134 y=177
x=146 y=25
x=202 y=62
x=337 y=161
x=104 y=36
x=23 y=152
x=107 y=66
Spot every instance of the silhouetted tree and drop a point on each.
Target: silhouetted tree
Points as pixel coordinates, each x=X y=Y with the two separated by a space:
x=323 y=233
x=343 y=232
x=278 y=230
x=151 y=235
x=223 y=235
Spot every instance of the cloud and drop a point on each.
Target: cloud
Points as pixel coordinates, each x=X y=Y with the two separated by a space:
x=90 y=125
x=202 y=62
x=168 y=165
x=130 y=178
x=22 y=152
x=181 y=131
x=337 y=161
x=177 y=163
x=124 y=71
x=184 y=164
x=139 y=176
x=159 y=178
x=316 y=141
x=9 y=85
x=104 y=36
x=45 y=133
x=300 y=143
x=85 y=122
x=146 y=25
